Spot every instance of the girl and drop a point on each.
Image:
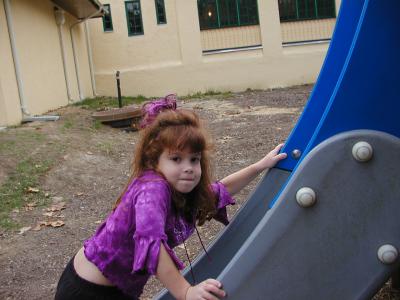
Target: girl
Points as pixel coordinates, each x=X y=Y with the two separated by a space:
x=168 y=193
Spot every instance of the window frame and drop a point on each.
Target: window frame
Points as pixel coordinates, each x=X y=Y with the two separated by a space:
x=158 y=13
x=127 y=18
x=237 y=16
x=111 y=29
x=317 y=17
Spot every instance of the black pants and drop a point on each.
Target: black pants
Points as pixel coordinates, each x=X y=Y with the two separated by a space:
x=71 y=286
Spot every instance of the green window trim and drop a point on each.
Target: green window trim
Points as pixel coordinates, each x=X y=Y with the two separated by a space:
x=301 y=10
x=160 y=12
x=134 y=17
x=107 y=19
x=216 y=14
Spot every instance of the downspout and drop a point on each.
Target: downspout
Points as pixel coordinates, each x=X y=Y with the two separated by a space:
x=90 y=57
x=26 y=116
x=74 y=50
x=60 y=21
x=17 y=67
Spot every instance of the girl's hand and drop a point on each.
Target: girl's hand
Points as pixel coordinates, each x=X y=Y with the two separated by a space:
x=209 y=289
x=271 y=159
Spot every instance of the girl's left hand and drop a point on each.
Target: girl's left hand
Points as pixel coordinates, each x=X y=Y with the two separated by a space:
x=271 y=159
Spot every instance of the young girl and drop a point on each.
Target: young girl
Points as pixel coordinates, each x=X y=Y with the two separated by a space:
x=168 y=193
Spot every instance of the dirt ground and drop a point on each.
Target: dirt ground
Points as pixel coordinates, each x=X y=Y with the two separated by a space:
x=91 y=165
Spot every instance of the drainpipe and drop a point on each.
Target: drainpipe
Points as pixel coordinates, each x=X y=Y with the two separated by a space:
x=90 y=57
x=26 y=116
x=60 y=21
x=74 y=50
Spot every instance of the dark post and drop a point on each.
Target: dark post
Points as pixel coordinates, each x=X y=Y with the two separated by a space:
x=119 y=90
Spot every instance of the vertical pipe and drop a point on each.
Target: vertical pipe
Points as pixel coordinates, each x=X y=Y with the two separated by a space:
x=90 y=57
x=76 y=62
x=118 y=89
x=17 y=67
x=60 y=21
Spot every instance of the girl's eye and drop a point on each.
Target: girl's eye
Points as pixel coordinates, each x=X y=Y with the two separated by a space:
x=176 y=158
x=195 y=159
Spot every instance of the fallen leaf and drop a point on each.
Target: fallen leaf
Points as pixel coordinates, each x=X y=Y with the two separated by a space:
x=58 y=223
x=47 y=195
x=57 y=207
x=79 y=194
x=89 y=153
x=24 y=229
x=98 y=222
x=49 y=214
x=33 y=190
x=31 y=204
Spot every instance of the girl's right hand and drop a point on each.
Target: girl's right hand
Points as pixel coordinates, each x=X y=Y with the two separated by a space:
x=209 y=289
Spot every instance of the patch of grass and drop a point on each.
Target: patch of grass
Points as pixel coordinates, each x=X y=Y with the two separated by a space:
x=7 y=146
x=99 y=103
x=208 y=93
x=10 y=142
x=14 y=191
x=96 y=124
x=68 y=124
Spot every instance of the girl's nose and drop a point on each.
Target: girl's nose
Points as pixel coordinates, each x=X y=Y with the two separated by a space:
x=188 y=168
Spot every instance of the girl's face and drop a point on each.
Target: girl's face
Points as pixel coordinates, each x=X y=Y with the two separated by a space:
x=182 y=169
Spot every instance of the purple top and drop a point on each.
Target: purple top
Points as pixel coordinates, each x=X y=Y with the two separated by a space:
x=126 y=246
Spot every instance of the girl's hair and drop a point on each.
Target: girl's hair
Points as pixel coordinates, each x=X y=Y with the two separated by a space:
x=177 y=130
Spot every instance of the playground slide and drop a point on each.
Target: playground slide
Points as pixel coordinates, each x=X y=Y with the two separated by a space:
x=330 y=249
x=272 y=256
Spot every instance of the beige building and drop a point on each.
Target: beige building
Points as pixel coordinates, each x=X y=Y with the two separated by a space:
x=41 y=68
x=206 y=45
x=159 y=47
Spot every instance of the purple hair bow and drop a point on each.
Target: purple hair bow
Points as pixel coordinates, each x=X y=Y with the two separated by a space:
x=151 y=109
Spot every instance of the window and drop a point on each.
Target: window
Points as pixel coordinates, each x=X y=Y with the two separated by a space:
x=227 y=13
x=160 y=12
x=107 y=20
x=134 y=17
x=294 y=10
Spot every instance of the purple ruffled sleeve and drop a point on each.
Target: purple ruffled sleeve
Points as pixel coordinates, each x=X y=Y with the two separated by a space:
x=151 y=210
x=224 y=199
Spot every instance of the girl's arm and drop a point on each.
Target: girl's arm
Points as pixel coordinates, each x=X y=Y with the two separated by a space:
x=172 y=279
x=238 y=180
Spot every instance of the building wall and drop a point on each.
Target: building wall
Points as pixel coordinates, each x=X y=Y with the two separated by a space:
x=170 y=58
x=39 y=54
x=158 y=47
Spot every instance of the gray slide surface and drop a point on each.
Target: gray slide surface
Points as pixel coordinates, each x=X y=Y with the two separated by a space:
x=329 y=250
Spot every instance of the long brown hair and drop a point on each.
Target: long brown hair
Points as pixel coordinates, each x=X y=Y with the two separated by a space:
x=177 y=130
